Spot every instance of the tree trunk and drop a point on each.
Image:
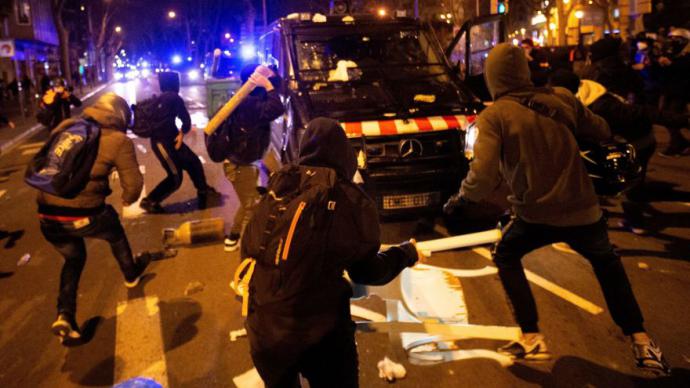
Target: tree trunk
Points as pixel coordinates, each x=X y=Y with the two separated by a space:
x=63 y=38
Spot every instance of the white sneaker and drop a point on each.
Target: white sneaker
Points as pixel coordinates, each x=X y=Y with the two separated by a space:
x=231 y=243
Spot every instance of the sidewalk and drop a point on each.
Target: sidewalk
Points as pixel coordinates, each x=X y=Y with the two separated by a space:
x=27 y=126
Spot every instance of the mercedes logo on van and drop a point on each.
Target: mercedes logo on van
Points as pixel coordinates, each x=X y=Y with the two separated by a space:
x=410 y=148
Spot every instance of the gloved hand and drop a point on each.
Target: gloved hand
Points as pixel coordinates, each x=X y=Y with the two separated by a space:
x=455 y=201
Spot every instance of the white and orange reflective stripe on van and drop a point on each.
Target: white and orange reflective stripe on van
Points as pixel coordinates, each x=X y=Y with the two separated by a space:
x=412 y=125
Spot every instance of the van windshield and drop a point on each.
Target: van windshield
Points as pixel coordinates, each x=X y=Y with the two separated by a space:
x=374 y=68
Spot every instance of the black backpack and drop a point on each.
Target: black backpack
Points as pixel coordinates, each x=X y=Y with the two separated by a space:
x=63 y=165
x=149 y=115
x=284 y=244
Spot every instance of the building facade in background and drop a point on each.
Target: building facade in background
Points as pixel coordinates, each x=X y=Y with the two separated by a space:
x=28 y=40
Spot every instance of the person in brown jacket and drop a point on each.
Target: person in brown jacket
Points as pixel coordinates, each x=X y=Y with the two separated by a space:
x=66 y=222
x=552 y=197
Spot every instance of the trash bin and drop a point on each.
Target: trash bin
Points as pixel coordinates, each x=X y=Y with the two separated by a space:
x=218 y=92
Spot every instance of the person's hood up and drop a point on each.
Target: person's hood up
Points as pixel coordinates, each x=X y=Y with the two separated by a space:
x=169 y=81
x=604 y=48
x=506 y=70
x=110 y=111
x=590 y=91
x=324 y=144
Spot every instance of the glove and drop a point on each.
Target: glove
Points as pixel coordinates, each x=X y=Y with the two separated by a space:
x=455 y=201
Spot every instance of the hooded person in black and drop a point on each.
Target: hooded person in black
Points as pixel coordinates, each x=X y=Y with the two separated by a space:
x=319 y=342
x=174 y=155
x=242 y=141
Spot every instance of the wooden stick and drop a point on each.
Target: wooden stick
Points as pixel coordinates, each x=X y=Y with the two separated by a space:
x=234 y=101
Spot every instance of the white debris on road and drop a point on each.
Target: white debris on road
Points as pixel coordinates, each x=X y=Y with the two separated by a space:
x=24 y=260
x=235 y=334
x=391 y=370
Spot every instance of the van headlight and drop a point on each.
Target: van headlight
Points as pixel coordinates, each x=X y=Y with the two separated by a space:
x=470 y=138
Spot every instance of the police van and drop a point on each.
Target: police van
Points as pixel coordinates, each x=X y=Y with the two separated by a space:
x=391 y=85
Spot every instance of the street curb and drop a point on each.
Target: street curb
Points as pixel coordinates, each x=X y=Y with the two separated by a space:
x=19 y=139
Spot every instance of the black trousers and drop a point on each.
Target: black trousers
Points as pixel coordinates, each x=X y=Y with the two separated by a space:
x=175 y=162
x=635 y=201
x=592 y=242
x=68 y=239
x=332 y=362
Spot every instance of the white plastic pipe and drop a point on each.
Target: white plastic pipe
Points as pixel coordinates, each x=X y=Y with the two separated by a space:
x=462 y=241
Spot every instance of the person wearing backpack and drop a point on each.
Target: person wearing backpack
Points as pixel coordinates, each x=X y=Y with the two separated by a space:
x=313 y=225
x=65 y=222
x=552 y=197
x=242 y=141
x=168 y=146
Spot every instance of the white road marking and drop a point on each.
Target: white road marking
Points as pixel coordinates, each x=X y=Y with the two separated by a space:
x=2 y=192
x=142 y=169
x=141 y=148
x=551 y=287
x=462 y=273
x=139 y=350
x=201 y=158
x=30 y=151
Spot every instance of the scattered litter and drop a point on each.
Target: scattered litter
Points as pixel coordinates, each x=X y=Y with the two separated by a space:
x=451 y=372
x=390 y=370
x=643 y=266
x=141 y=148
x=194 y=288
x=249 y=379
x=24 y=260
x=235 y=334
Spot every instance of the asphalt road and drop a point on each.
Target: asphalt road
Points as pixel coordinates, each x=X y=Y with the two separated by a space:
x=175 y=327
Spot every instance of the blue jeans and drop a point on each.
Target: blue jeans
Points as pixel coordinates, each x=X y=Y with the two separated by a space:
x=592 y=242
x=68 y=239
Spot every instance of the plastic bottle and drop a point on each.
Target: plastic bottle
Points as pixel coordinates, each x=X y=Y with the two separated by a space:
x=195 y=232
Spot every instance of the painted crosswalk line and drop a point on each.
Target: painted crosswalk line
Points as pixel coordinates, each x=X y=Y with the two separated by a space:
x=551 y=287
x=139 y=350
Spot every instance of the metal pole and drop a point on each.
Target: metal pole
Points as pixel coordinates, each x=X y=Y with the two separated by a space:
x=416 y=9
x=263 y=3
x=20 y=95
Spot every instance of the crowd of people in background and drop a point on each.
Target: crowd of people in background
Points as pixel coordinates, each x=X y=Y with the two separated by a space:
x=650 y=69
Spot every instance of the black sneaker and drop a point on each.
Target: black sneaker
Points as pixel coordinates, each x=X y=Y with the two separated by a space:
x=65 y=327
x=521 y=350
x=232 y=242
x=141 y=262
x=151 y=206
x=649 y=357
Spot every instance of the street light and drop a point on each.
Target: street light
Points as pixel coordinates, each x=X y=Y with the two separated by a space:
x=118 y=29
x=227 y=35
x=579 y=14
x=172 y=14
x=382 y=12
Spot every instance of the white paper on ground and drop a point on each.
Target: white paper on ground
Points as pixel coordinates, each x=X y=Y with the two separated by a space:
x=249 y=379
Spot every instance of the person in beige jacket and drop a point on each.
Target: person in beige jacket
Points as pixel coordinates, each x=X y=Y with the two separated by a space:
x=528 y=138
x=66 y=222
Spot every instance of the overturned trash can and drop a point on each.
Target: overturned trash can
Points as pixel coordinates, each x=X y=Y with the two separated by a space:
x=195 y=232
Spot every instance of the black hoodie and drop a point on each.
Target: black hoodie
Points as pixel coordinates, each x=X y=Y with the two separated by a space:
x=354 y=247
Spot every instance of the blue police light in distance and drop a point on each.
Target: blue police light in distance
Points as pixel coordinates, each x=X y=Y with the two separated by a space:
x=248 y=51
